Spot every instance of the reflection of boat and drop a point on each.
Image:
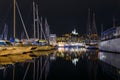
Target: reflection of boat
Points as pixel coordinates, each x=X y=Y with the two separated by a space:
x=5 y=61
x=71 y=49
x=11 y=59
x=110 y=40
x=15 y=50
x=45 y=48
x=70 y=44
x=110 y=58
x=95 y=46
x=39 y=53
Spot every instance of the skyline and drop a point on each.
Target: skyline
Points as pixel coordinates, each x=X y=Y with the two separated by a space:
x=63 y=16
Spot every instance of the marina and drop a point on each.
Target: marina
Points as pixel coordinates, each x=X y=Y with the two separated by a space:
x=49 y=40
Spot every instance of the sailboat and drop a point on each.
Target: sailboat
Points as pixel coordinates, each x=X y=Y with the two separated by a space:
x=45 y=33
x=4 y=34
x=39 y=33
x=42 y=40
x=92 y=37
x=14 y=40
x=3 y=37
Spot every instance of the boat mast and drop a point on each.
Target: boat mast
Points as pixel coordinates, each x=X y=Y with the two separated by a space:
x=5 y=33
x=88 y=24
x=94 y=25
x=34 y=19
x=47 y=30
x=14 y=18
x=22 y=21
x=41 y=25
x=37 y=21
x=42 y=31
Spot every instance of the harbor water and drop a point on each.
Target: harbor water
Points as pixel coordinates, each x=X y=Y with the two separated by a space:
x=65 y=64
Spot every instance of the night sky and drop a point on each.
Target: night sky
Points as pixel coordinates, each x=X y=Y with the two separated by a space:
x=63 y=15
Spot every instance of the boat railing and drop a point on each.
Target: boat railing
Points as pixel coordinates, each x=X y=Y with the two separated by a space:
x=108 y=31
x=111 y=35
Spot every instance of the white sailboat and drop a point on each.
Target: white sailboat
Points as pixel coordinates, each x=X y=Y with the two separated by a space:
x=15 y=40
x=41 y=40
x=4 y=34
x=39 y=33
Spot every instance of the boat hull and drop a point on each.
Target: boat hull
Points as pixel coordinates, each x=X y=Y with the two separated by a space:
x=112 y=45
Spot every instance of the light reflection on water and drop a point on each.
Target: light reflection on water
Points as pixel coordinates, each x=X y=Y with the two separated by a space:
x=71 y=49
x=110 y=58
x=79 y=62
x=71 y=54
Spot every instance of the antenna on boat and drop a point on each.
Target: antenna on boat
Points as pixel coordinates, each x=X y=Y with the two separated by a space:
x=101 y=28
x=113 y=21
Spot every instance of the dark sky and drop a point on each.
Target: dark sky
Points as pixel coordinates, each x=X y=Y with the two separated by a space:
x=63 y=15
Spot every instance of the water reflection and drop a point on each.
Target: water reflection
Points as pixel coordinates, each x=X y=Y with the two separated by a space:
x=72 y=49
x=61 y=64
x=74 y=61
x=71 y=54
x=74 y=64
x=110 y=58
